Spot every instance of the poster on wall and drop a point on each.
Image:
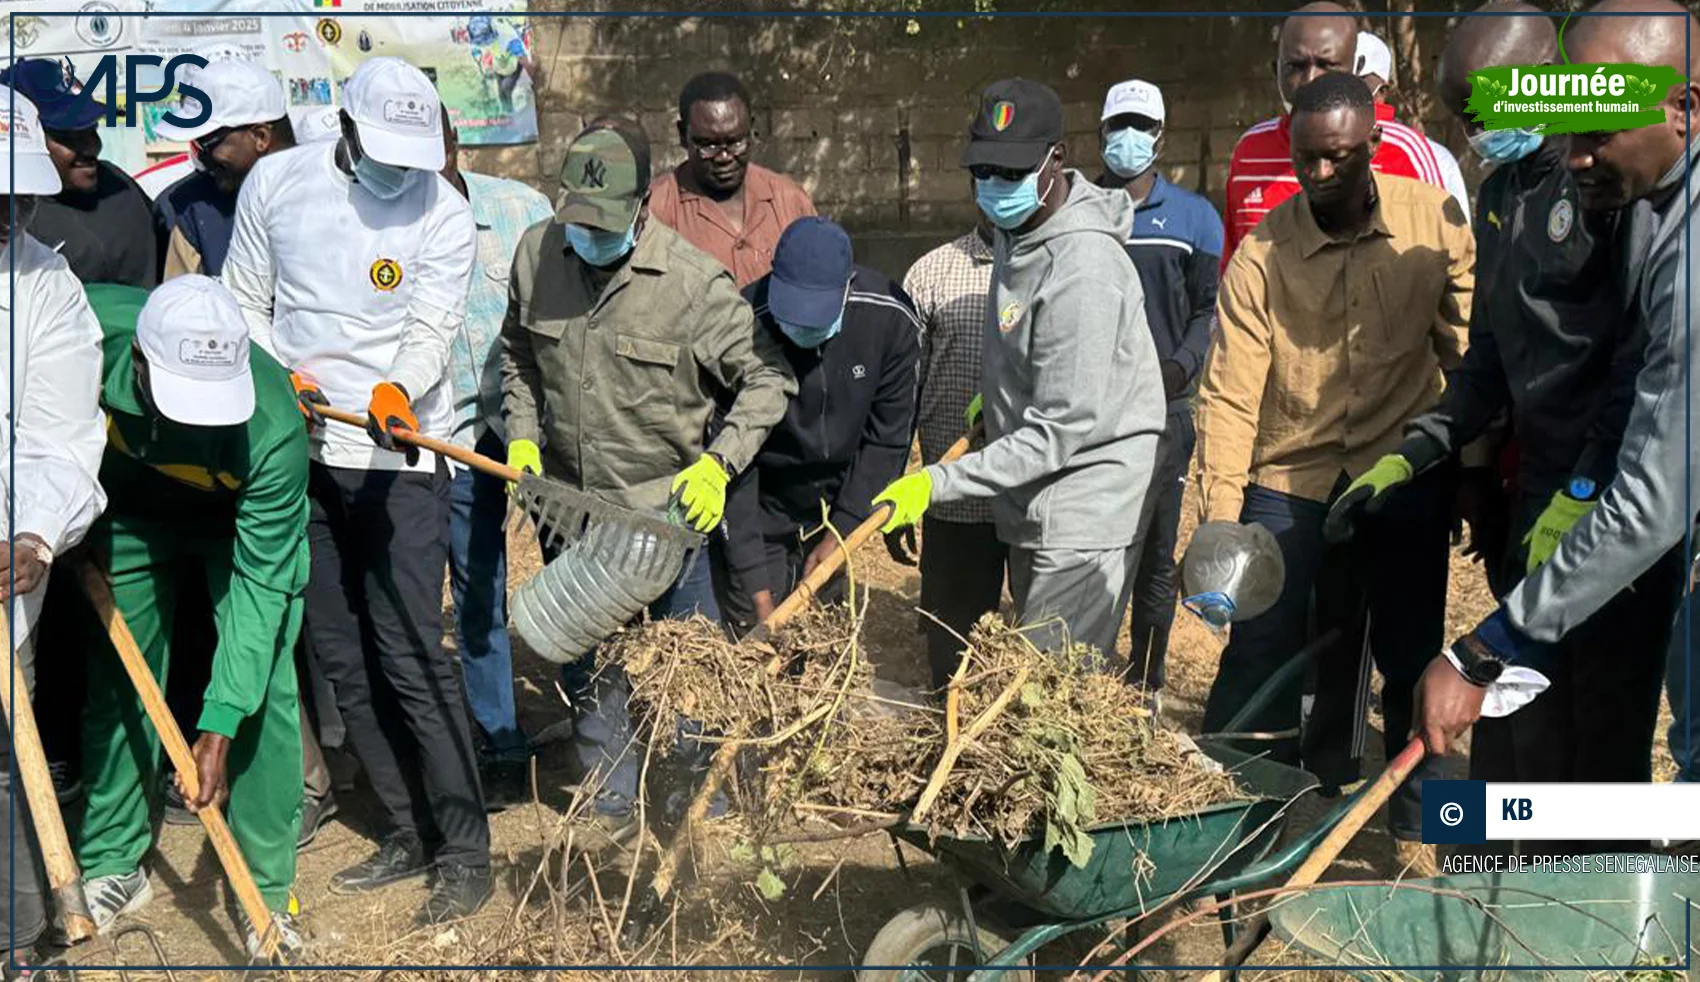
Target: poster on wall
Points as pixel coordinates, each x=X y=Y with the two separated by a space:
x=478 y=53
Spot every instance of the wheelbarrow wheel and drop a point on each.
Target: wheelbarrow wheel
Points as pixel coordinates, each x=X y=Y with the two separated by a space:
x=929 y=941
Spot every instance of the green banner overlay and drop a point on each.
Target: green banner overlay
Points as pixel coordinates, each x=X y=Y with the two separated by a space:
x=1570 y=98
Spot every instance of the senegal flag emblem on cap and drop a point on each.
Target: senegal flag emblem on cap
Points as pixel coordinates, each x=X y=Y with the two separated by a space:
x=1002 y=115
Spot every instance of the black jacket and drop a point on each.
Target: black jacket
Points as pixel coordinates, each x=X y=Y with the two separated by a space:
x=1550 y=333
x=845 y=435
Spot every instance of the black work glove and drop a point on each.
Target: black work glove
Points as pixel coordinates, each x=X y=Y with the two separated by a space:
x=902 y=547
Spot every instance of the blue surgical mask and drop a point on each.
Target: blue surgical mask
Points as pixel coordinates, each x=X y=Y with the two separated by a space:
x=600 y=248
x=811 y=337
x=384 y=181
x=1009 y=204
x=1504 y=146
x=1129 y=152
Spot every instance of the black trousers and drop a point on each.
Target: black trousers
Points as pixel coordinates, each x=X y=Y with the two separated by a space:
x=1155 y=583
x=375 y=623
x=962 y=575
x=1597 y=721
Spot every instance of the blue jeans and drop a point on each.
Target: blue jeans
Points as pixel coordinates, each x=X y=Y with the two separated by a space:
x=602 y=723
x=478 y=576
x=1683 y=687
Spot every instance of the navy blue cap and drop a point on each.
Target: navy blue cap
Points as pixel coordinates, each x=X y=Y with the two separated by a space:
x=47 y=83
x=812 y=266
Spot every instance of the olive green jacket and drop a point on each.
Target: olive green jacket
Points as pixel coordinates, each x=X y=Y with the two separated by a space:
x=618 y=385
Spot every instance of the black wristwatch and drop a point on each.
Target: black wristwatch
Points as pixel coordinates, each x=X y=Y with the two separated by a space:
x=1481 y=665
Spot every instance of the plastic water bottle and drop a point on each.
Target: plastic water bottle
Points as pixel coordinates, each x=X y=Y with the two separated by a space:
x=1231 y=572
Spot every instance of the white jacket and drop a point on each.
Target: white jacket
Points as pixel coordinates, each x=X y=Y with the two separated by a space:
x=56 y=431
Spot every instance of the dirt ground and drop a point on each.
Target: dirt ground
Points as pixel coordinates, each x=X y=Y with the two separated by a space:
x=838 y=894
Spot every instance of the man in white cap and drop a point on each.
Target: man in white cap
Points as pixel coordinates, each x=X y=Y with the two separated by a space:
x=248 y=120
x=1375 y=67
x=352 y=263
x=1176 y=245
x=316 y=124
x=54 y=446
x=206 y=459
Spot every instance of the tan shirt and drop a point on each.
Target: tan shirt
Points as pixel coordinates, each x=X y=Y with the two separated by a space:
x=771 y=202
x=1326 y=347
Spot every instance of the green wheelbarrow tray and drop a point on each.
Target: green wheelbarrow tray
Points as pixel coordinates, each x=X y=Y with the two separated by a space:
x=1505 y=926
x=1131 y=863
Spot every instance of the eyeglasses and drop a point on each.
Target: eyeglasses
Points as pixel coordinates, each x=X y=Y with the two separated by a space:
x=715 y=148
x=986 y=172
x=208 y=143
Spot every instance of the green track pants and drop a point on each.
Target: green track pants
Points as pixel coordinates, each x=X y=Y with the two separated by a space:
x=121 y=748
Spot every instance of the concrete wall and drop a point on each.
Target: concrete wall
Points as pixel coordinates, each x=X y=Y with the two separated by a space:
x=870 y=113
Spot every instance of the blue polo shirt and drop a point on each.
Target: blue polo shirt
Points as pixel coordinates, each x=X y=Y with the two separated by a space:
x=1176 y=245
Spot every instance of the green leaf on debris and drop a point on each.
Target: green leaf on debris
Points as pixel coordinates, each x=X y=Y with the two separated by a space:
x=769 y=885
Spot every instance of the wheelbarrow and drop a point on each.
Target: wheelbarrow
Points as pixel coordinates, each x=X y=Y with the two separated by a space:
x=1514 y=926
x=1039 y=896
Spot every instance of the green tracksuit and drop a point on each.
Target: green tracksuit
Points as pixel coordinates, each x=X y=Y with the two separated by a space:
x=231 y=501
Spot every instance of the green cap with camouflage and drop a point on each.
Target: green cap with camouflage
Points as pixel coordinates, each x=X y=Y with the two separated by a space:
x=604 y=180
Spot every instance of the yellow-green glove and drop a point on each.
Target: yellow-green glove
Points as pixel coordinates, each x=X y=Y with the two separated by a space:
x=974 y=406
x=1560 y=516
x=701 y=488
x=1365 y=495
x=909 y=496
x=524 y=455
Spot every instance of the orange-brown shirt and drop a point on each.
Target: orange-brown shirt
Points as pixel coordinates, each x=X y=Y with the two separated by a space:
x=771 y=202
x=1326 y=347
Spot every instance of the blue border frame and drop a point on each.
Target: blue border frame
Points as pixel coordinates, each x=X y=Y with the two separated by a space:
x=11 y=461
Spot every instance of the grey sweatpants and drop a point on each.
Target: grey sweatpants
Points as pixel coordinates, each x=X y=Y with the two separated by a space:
x=1072 y=594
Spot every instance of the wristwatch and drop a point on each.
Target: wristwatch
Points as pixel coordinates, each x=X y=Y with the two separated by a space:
x=1481 y=666
x=1582 y=489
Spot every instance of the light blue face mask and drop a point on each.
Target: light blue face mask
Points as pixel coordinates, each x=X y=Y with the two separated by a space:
x=385 y=182
x=1504 y=146
x=812 y=337
x=600 y=248
x=1010 y=203
x=1129 y=152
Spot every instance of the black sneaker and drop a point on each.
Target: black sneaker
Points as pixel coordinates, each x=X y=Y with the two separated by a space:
x=505 y=783
x=315 y=812
x=399 y=857
x=67 y=784
x=458 y=891
x=176 y=812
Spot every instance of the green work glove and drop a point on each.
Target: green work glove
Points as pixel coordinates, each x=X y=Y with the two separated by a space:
x=524 y=455
x=1560 y=516
x=1365 y=495
x=909 y=496
x=701 y=488
x=972 y=416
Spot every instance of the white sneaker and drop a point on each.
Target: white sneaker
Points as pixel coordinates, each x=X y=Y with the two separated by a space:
x=111 y=897
x=290 y=941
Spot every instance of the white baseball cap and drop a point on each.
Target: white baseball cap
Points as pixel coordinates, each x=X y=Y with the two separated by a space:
x=32 y=170
x=195 y=342
x=242 y=93
x=1373 y=57
x=397 y=113
x=316 y=124
x=1134 y=96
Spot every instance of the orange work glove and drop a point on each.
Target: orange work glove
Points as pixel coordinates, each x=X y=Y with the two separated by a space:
x=389 y=410
x=308 y=398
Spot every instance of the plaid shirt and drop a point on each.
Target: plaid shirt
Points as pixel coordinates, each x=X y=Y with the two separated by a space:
x=949 y=287
x=502 y=210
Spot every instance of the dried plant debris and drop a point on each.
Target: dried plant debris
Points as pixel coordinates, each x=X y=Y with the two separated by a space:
x=1072 y=747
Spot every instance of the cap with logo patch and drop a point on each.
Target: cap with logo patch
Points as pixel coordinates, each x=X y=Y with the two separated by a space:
x=241 y=92
x=1018 y=123
x=195 y=343
x=397 y=114
x=47 y=83
x=32 y=170
x=604 y=179
x=316 y=124
x=1134 y=96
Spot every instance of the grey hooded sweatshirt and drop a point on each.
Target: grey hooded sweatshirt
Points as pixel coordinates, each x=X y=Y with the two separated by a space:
x=1073 y=399
x=1650 y=505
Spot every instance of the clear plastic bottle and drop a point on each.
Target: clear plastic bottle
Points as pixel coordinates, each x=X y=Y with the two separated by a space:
x=1231 y=572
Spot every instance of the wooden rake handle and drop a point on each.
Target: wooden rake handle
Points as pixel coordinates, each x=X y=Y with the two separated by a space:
x=99 y=590
x=1326 y=852
x=470 y=458
x=63 y=876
